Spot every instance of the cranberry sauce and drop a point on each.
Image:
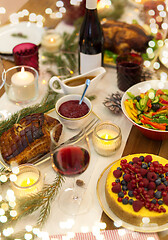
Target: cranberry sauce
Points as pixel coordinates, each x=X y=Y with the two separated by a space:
x=72 y=109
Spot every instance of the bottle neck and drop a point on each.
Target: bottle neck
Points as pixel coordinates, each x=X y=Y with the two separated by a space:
x=91 y=4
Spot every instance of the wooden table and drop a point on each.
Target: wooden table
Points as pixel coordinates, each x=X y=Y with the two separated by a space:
x=136 y=142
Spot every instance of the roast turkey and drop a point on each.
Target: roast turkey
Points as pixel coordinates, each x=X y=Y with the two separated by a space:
x=122 y=37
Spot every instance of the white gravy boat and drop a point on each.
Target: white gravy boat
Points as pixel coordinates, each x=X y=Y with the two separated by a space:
x=97 y=73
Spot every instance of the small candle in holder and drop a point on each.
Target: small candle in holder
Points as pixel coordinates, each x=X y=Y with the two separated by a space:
x=51 y=41
x=29 y=181
x=106 y=138
x=21 y=83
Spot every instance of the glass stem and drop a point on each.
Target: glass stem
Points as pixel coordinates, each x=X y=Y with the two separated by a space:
x=75 y=195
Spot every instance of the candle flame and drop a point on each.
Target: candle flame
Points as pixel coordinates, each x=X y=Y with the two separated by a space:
x=52 y=40
x=22 y=70
x=106 y=136
x=28 y=181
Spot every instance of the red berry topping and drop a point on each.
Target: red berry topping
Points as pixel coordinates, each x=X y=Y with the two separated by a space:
x=148 y=158
x=165 y=199
x=161 y=187
x=145 y=182
x=130 y=186
x=151 y=193
x=143 y=172
x=135 y=160
x=152 y=186
x=127 y=177
x=151 y=176
x=117 y=173
x=137 y=205
x=155 y=164
x=116 y=188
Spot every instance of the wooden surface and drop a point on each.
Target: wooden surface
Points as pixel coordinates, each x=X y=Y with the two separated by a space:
x=137 y=143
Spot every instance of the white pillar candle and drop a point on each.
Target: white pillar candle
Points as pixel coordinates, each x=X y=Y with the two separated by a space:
x=23 y=85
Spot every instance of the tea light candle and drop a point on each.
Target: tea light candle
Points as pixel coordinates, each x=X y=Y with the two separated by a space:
x=51 y=41
x=29 y=181
x=106 y=138
x=23 y=83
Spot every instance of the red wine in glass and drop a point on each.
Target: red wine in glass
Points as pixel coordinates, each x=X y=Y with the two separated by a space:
x=129 y=70
x=71 y=160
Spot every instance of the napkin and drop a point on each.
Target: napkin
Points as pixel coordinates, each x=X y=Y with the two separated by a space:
x=119 y=234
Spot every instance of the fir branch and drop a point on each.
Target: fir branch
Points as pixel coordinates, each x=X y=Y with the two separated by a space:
x=66 y=58
x=47 y=104
x=42 y=200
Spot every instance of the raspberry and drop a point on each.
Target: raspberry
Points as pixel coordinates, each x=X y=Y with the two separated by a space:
x=145 y=182
x=148 y=158
x=161 y=187
x=151 y=186
x=130 y=186
x=116 y=188
x=165 y=199
x=117 y=173
x=137 y=205
x=135 y=160
x=151 y=193
x=151 y=176
x=127 y=177
x=143 y=172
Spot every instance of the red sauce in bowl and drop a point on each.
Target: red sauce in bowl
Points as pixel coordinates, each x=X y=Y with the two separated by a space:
x=72 y=109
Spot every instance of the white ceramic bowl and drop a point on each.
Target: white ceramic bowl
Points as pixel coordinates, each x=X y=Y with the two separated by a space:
x=142 y=88
x=73 y=123
x=65 y=89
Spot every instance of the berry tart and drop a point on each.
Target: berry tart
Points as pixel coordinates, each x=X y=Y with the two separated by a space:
x=137 y=189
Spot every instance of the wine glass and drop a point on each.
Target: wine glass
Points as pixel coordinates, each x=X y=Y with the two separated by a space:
x=71 y=160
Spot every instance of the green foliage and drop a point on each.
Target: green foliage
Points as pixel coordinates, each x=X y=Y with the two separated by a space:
x=47 y=104
x=66 y=58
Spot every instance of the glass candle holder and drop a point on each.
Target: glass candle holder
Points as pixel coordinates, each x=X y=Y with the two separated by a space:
x=51 y=41
x=21 y=83
x=106 y=138
x=29 y=181
x=26 y=54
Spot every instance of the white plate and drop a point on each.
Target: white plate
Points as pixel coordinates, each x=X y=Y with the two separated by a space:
x=8 y=42
x=119 y=222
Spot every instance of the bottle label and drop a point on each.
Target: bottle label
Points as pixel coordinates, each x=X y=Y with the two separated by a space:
x=89 y=62
x=91 y=4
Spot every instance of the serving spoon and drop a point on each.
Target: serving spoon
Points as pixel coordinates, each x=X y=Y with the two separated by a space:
x=87 y=83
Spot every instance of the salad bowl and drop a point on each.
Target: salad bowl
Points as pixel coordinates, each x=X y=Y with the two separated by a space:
x=154 y=131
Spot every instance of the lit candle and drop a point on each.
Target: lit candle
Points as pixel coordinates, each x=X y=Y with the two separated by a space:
x=51 y=41
x=106 y=138
x=23 y=85
x=29 y=181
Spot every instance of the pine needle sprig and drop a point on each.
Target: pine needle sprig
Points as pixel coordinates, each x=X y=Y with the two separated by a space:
x=40 y=201
x=66 y=58
x=46 y=104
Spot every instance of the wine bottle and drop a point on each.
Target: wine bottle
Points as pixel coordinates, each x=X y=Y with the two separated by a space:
x=90 y=39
